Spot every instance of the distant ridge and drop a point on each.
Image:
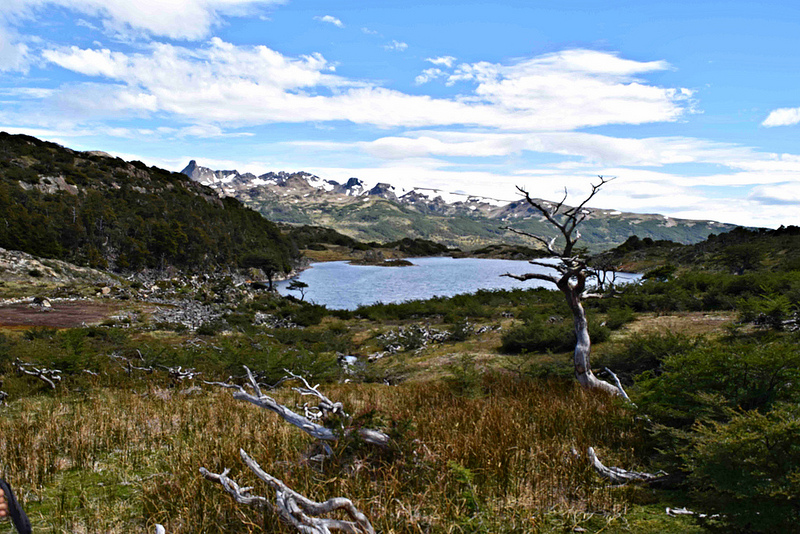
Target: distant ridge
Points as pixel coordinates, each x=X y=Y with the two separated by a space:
x=384 y=212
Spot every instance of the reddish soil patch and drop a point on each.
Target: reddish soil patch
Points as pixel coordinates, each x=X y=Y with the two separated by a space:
x=61 y=315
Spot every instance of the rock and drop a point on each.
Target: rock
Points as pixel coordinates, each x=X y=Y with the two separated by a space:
x=41 y=303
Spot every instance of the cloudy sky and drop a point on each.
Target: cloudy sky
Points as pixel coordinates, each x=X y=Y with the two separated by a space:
x=693 y=105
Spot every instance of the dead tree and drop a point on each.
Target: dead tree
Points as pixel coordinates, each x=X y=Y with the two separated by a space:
x=292 y=507
x=571 y=276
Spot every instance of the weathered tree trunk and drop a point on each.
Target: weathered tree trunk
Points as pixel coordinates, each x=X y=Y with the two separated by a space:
x=583 y=343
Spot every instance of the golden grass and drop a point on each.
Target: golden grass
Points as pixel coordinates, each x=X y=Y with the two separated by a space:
x=113 y=460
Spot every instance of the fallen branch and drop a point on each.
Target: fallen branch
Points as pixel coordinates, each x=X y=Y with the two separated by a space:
x=292 y=507
x=180 y=374
x=618 y=475
x=326 y=406
x=305 y=424
x=50 y=376
x=676 y=512
x=126 y=364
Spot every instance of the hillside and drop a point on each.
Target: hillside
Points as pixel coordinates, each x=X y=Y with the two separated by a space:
x=737 y=251
x=92 y=209
x=384 y=212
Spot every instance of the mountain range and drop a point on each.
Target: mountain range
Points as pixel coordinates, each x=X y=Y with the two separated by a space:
x=383 y=212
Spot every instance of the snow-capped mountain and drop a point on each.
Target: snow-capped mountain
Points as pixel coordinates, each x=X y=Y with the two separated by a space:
x=232 y=183
x=385 y=212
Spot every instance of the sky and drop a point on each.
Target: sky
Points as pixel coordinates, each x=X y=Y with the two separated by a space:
x=693 y=106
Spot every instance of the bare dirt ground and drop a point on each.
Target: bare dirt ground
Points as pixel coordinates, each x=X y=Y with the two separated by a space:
x=61 y=315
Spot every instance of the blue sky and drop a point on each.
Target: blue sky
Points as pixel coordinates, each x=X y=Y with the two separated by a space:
x=693 y=105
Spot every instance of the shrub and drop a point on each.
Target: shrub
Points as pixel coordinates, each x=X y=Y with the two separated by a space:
x=618 y=317
x=748 y=470
x=706 y=382
x=465 y=380
x=647 y=352
x=211 y=328
x=769 y=312
x=548 y=335
x=461 y=331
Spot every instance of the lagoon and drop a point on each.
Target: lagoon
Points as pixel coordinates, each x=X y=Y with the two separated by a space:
x=339 y=285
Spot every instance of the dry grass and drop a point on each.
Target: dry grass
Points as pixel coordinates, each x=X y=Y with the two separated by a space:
x=115 y=461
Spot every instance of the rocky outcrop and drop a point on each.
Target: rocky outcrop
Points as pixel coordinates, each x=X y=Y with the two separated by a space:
x=17 y=265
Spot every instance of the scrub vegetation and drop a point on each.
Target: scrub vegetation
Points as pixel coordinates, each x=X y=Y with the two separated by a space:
x=489 y=430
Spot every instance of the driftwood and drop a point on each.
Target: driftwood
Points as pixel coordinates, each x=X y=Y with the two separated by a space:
x=128 y=365
x=49 y=376
x=292 y=507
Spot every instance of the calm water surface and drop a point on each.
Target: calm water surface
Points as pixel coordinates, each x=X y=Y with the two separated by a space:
x=339 y=285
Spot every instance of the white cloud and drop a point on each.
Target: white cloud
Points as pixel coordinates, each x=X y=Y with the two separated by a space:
x=593 y=149
x=14 y=55
x=331 y=20
x=428 y=75
x=581 y=87
x=782 y=117
x=175 y=19
x=368 y=31
x=396 y=45
x=224 y=83
x=781 y=194
x=444 y=61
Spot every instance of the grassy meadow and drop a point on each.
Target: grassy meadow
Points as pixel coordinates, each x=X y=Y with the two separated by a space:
x=489 y=429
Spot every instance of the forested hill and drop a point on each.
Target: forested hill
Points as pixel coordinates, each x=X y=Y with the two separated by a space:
x=737 y=251
x=92 y=209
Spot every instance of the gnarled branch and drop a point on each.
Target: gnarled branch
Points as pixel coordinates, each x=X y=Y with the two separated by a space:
x=50 y=376
x=305 y=424
x=294 y=508
x=618 y=475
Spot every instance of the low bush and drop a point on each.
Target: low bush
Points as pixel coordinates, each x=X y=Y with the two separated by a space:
x=554 y=334
x=646 y=352
x=707 y=382
x=619 y=317
x=748 y=470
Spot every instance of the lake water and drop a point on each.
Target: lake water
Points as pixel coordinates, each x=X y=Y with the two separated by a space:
x=339 y=285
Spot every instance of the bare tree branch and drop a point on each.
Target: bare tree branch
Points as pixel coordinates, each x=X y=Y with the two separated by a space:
x=126 y=363
x=326 y=406
x=180 y=374
x=549 y=244
x=305 y=424
x=240 y=494
x=532 y=276
x=50 y=376
x=616 y=474
x=619 y=385
x=294 y=508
